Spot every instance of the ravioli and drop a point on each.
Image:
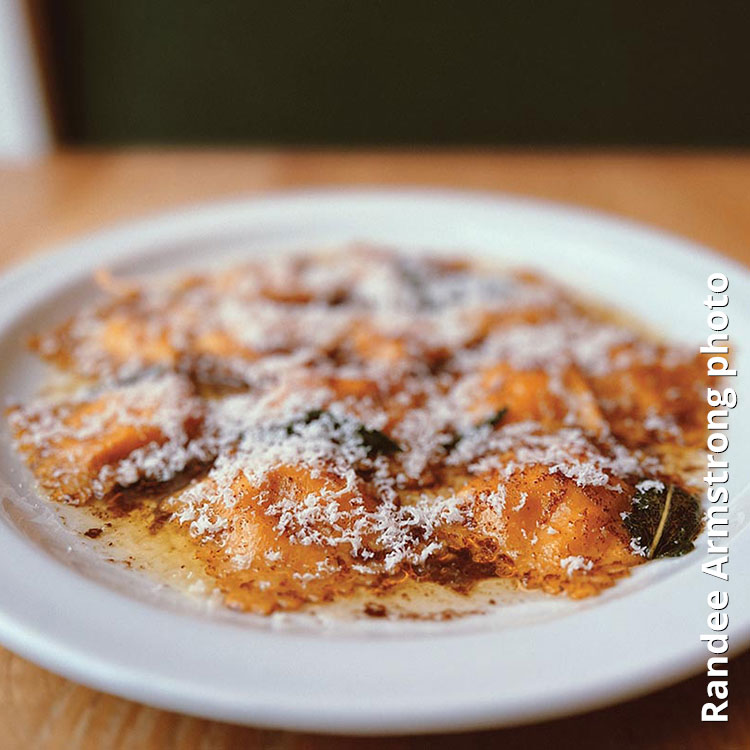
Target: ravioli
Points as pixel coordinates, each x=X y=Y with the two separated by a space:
x=356 y=420
x=82 y=449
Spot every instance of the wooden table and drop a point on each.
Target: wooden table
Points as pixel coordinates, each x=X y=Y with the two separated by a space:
x=705 y=197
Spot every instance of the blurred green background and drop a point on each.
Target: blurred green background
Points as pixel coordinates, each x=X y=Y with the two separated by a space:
x=372 y=72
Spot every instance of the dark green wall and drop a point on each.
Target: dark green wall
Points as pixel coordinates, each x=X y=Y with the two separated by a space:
x=408 y=72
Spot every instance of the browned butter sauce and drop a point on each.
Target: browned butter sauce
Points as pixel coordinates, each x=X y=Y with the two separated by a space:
x=362 y=431
x=137 y=534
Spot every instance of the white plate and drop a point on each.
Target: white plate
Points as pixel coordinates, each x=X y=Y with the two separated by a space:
x=546 y=657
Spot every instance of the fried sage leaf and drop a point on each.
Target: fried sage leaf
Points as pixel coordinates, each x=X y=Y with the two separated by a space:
x=496 y=418
x=308 y=418
x=376 y=443
x=492 y=421
x=664 y=521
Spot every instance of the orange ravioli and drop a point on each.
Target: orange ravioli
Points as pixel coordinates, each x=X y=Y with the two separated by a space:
x=82 y=449
x=366 y=418
x=264 y=562
x=647 y=401
x=546 y=531
x=553 y=399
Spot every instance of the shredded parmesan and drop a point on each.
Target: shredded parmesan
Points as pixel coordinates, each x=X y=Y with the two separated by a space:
x=362 y=403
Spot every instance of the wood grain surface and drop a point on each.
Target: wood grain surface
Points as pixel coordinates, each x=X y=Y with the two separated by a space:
x=703 y=196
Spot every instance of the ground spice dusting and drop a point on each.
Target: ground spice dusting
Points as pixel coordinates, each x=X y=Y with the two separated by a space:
x=327 y=424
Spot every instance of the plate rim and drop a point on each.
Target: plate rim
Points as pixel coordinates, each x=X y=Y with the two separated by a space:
x=81 y=667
